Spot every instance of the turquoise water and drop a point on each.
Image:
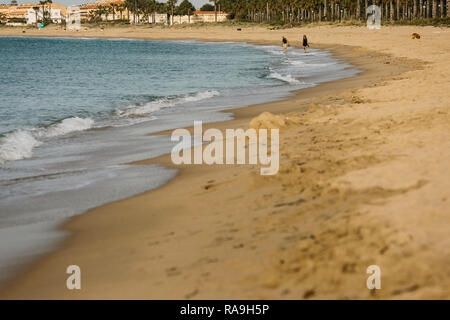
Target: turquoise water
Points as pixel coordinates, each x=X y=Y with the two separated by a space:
x=73 y=111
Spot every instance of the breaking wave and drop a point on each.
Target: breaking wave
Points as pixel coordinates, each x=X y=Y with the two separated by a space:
x=286 y=78
x=166 y=102
x=19 y=144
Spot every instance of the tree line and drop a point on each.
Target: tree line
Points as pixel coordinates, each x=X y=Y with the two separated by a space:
x=146 y=9
x=288 y=11
x=332 y=10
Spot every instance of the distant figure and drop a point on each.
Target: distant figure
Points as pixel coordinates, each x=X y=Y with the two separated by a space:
x=284 y=43
x=305 y=43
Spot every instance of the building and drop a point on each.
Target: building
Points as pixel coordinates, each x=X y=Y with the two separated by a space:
x=4 y=10
x=102 y=10
x=209 y=16
x=197 y=17
x=35 y=16
x=22 y=14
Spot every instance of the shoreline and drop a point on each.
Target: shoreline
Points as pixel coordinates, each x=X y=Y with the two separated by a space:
x=239 y=113
x=376 y=71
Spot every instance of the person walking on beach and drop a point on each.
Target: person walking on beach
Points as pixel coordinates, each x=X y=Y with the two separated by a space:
x=305 y=43
x=284 y=43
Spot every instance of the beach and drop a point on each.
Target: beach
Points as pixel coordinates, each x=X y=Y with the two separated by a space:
x=363 y=180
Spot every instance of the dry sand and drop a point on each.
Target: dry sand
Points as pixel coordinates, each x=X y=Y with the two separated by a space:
x=364 y=179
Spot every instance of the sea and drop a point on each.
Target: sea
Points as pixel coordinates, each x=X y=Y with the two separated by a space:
x=75 y=111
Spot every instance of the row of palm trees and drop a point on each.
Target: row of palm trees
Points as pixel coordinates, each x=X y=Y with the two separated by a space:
x=105 y=11
x=46 y=7
x=332 y=10
x=287 y=11
x=140 y=10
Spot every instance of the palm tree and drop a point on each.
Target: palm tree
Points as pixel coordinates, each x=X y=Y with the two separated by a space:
x=121 y=8
x=391 y=11
x=96 y=15
x=358 y=9
x=42 y=3
x=415 y=9
x=147 y=9
x=46 y=12
x=104 y=12
x=153 y=6
x=215 y=10
x=49 y=2
x=36 y=11
x=289 y=11
x=170 y=6
x=131 y=5
x=113 y=8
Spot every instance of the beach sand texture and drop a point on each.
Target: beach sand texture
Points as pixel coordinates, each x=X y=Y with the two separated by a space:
x=364 y=179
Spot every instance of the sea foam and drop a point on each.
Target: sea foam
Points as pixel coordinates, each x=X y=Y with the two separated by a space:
x=286 y=78
x=19 y=144
x=166 y=102
x=66 y=126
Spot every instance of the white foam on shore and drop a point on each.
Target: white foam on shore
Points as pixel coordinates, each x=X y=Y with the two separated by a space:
x=286 y=78
x=311 y=65
x=167 y=102
x=19 y=144
x=296 y=65
x=66 y=126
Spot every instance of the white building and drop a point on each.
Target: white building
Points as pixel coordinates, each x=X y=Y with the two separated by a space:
x=55 y=15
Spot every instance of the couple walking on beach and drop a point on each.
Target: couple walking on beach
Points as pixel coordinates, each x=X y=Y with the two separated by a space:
x=285 y=43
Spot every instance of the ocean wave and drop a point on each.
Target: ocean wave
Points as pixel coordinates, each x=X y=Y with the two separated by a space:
x=161 y=103
x=66 y=126
x=20 y=143
x=17 y=145
x=286 y=78
x=306 y=64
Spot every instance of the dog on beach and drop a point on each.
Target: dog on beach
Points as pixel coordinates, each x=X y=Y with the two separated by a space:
x=415 y=36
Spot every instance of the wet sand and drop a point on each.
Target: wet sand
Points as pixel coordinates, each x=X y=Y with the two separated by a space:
x=363 y=180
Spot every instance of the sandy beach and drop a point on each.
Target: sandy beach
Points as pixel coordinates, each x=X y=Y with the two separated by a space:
x=364 y=180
